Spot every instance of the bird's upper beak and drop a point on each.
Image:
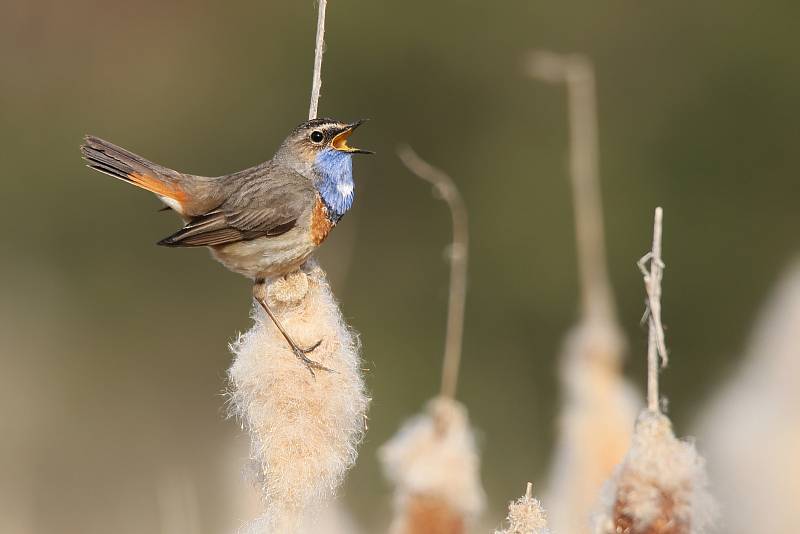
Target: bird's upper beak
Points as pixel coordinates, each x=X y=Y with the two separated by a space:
x=339 y=141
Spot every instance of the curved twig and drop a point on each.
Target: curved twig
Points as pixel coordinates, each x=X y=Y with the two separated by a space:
x=447 y=189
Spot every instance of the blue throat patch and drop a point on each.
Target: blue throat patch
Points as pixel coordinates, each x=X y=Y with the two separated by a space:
x=336 y=185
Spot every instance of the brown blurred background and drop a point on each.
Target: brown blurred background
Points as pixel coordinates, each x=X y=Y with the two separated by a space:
x=114 y=350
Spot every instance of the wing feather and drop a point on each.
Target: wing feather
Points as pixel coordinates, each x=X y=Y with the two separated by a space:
x=266 y=203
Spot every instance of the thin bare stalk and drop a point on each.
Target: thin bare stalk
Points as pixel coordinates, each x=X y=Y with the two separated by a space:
x=655 y=340
x=577 y=73
x=661 y=486
x=316 y=85
x=447 y=189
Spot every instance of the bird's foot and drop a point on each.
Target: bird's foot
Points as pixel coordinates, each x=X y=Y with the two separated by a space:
x=310 y=364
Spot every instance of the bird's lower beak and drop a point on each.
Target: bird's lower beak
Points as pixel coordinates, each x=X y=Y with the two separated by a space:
x=339 y=142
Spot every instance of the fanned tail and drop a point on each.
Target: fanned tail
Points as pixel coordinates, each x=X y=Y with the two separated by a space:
x=127 y=166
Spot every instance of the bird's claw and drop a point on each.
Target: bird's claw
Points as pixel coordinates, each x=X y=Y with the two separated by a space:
x=310 y=364
x=311 y=348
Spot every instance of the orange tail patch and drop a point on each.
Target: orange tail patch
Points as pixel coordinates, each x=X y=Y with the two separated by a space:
x=159 y=187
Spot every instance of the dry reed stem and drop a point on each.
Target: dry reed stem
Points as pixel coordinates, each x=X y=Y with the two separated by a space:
x=446 y=188
x=661 y=485
x=434 y=465
x=655 y=340
x=319 y=49
x=526 y=516
x=751 y=430
x=576 y=72
x=600 y=406
x=433 y=460
x=304 y=430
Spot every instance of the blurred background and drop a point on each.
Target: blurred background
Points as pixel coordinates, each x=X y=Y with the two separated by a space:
x=114 y=351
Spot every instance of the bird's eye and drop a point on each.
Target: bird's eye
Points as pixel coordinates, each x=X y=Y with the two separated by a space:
x=317 y=136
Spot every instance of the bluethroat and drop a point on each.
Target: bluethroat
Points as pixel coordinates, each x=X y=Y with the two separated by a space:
x=262 y=222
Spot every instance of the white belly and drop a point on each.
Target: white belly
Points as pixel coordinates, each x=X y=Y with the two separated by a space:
x=266 y=257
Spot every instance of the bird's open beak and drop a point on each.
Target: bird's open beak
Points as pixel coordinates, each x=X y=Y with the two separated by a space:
x=339 y=142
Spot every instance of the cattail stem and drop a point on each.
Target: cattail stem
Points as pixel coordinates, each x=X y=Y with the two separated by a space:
x=577 y=73
x=598 y=402
x=597 y=299
x=652 y=372
x=316 y=85
x=655 y=340
x=446 y=188
x=661 y=485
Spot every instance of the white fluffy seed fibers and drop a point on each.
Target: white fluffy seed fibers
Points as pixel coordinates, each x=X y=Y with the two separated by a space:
x=433 y=462
x=526 y=516
x=304 y=430
x=595 y=424
x=660 y=487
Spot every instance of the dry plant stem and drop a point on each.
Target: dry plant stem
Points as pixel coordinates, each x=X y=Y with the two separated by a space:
x=661 y=485
x=655 y=338
x=576 y=72
x=316 y=85
x=445 y=187
x=599 y=406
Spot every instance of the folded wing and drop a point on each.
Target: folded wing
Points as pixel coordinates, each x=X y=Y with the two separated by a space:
x=265 y=203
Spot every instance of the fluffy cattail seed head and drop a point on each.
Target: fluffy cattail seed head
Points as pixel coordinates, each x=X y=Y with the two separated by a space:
x=660 y=487
x=595 y=424
x=434 y=464
x=304 y=429
x=751 y=431
x=526 y=516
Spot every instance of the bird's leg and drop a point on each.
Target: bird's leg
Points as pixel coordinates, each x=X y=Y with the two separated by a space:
x=260 y=294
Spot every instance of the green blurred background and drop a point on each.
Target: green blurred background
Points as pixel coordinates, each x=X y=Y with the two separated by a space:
x=114 y=350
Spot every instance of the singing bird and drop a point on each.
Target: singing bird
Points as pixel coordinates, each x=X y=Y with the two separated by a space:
x=262 y=222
